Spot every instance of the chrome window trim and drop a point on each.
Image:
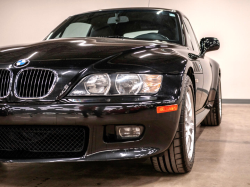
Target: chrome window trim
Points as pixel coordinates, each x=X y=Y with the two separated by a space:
x=51 y=89
x=10 y=84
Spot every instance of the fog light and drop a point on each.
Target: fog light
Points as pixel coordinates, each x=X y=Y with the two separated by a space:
x=129 y=132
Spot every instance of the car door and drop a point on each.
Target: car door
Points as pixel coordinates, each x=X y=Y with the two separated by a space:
x=202 y=69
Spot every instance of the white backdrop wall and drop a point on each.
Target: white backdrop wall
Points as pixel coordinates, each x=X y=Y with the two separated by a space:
x=28 y=21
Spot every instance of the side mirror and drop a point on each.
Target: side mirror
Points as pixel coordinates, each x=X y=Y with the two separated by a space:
x=206 y=44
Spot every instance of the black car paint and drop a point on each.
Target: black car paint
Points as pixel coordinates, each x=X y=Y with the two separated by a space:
x=57 y=55
x=76 y=58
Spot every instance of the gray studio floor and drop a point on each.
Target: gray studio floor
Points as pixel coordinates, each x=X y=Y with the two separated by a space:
x=222 y=159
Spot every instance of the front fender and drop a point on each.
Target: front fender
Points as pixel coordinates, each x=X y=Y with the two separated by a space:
x=214 y=85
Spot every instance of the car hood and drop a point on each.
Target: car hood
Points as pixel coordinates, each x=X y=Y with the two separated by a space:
x=72 y=59
x=77 y=48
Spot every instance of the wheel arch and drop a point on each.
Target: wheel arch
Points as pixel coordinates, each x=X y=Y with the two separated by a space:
x=216 y=75
x=190 y=73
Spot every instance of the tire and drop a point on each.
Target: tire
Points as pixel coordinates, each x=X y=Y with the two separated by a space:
x=176 y=159
x=214 y=116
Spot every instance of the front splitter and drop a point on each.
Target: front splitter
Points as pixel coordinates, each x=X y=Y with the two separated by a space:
x=121 y=154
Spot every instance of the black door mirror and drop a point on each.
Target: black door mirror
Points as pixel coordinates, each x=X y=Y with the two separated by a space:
x=206 y=44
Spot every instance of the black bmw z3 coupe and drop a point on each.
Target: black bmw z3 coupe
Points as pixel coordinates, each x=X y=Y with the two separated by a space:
x=110 y=85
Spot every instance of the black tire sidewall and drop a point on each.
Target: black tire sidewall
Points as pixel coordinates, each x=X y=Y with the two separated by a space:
x=188 y=164
x=218 y=96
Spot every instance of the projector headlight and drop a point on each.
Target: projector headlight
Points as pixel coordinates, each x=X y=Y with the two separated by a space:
x=124 y=84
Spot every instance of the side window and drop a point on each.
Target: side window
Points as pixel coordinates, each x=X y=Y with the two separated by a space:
x=189 y=44
x=192 y=36
x=76 y=30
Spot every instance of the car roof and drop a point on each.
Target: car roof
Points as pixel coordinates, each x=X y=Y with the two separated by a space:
x=133 y=8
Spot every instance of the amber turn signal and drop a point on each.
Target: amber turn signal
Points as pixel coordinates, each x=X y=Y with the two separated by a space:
x=163 y=109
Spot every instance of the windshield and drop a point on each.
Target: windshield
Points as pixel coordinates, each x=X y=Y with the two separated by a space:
x=128 y=24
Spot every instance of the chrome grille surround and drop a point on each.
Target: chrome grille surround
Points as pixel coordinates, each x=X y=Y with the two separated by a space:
x=5 y=87
x=29 y=83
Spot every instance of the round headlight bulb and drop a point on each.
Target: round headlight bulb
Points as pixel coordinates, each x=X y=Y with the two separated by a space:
x=128 y=84
x=97 y=84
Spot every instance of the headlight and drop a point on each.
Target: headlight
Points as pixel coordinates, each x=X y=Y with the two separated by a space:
x=124 y=84
x=128 y=84
x=132 y=84
x=96 y=84
x=151 y=83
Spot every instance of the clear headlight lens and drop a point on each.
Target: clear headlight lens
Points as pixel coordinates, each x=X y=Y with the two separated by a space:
x=96 y=84
x=128 y=84
x=132 y=84
x=151 y=83
x=125 y=84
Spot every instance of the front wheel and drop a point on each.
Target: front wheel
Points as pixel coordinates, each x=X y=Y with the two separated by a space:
x=179 y=157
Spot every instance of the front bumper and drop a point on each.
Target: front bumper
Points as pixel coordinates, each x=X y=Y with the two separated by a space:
x=158 y=135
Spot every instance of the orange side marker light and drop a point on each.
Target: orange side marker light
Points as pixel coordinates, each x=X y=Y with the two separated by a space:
x=169 y=108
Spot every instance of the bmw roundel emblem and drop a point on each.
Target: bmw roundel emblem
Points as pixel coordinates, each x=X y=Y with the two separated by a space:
x=21 y=63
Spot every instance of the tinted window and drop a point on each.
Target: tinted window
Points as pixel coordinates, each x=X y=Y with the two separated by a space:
x=192 y=36
x=132 y=24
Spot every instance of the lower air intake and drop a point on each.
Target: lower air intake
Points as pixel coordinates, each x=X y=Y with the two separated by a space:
x=34 y=142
